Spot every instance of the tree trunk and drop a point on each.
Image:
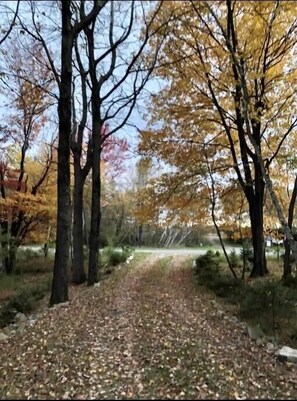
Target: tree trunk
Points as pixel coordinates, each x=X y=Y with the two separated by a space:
x=287 y=262
x=85 y=227
x=4 y=245
x=8 y=257
x=9 y=246
x=95 y=223
x=60 y=278
x=96 y=196
x=256 y=217
x=140 y=234
x=46 y=244
x=287 y=271
x=78 y=272
x=94 y=237
x=11 y=260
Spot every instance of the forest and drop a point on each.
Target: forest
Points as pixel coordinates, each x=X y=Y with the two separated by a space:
x=134 y=128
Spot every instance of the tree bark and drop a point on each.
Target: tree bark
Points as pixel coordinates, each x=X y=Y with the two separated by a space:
x=259 y=258
x=140 y=234
x=78 y=272
x=11 y=259
x=256 y=205
x=287 y=262
x=80 y=175
x=8 y=257
x=97 y=124
x=94 y=237
x=85 y=227
x=60 y=278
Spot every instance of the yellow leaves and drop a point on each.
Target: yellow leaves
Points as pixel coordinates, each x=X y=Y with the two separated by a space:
x=198 y=109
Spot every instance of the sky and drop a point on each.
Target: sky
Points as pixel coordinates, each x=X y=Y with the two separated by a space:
x=50 y=25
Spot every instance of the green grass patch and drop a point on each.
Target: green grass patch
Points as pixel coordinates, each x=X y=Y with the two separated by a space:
x=165 y=263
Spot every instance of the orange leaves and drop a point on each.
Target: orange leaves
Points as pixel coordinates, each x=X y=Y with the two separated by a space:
x=32 y=206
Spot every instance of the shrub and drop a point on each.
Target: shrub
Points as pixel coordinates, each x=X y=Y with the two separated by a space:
x=207 y=267
x=290 y=281
x=25 y=300
x=209 y=260
x=113 y=257
x=234 y=259
x=246 y=254
x=116 y=257
x=209 y=273
x=270 y=303
x=230 y=288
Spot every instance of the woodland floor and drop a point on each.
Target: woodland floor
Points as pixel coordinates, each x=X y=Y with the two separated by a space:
x=146 y=333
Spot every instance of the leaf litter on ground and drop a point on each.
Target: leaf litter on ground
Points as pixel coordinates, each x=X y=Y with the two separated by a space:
x=146 y=333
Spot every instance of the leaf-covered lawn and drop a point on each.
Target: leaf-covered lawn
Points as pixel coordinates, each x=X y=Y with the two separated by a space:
x=146 y=332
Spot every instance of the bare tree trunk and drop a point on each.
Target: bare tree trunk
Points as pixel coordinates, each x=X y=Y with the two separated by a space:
x=259 y=260
x=256 y=209
x=287 y=262
x=96 y=179
x=140 y=234
x=97 y=126
x=60 y=277
x=100 y=115
x=85 y=227
x=95 y=206
x=46 y=244
x=184 y=235
x=78 y=272
x=221 y=239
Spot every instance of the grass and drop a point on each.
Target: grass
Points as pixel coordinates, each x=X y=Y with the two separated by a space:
x=164 y=263
x=140 y=256
x=173 y=247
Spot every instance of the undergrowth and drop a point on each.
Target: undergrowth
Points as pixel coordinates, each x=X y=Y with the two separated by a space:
x=267 y=301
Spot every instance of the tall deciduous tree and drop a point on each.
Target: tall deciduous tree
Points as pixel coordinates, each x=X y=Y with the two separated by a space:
x=116 y=82
x=82 y=166
x=72 y=23
x=70 y=31
x=25 y=117
x=226 y=77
